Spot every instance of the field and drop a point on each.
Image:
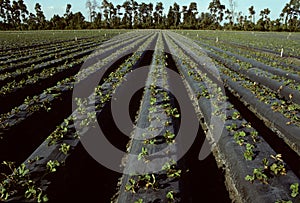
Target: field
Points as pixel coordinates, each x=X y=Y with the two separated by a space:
x=149 y=116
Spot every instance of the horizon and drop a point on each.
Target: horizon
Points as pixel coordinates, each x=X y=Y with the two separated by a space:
x=51 y=8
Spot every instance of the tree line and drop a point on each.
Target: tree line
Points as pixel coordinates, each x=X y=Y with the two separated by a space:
x=133 y=15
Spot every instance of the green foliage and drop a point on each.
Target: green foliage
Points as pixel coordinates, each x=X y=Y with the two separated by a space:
x=131 y=186
x=172 y=112
x=143 y=153
x=170 y=196
x=18 y=182
x=236 y=115
x=64 y=148
x=52 y=165
x=169 y=137
x=254 y=136
x=249 y=154
x=238 y=137
x=283 y=201
x=295 y=189
x=232 y=127
x=139 y=201
x=142 y=181
x=258 y=174
x=171 y=170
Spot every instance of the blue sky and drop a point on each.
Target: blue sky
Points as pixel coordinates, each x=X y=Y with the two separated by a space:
x=58 y=6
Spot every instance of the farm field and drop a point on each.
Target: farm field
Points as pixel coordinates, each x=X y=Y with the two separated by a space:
x=185 y=116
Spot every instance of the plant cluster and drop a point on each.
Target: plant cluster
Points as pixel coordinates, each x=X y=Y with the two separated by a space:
x=19 y=181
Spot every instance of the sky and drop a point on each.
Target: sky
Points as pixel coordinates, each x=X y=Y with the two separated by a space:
x=59 y=6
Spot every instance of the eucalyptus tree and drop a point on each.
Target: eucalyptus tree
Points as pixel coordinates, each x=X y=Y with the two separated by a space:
x=177 y=15
x=143 y=13
x=216 y=9
x=158 y=13
x=105 y=6
x=23 y=10
x=229 y=17
x=7 y=12
x=252 y=13
x=15 y=15
x=264 y=22
x=40 y=17
x=68 y=15
x=127 y=19
x=291 y=14
x=184 y=11
x=149 y=17
x=170 y=17
x=192 y=13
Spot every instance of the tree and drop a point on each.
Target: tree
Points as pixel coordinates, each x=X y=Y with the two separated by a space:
x=32 y=22
x=170 y=17
x=40 y=17
x=68 y=16
x=127 y=19
x=23 y=10
x=118 y=20
x=57 y=23
x=8 y=17
x=135 y=6
x=94 y=6
x=112 y=15
x=158 y=14
x=192 y=12
x=149 y=15
x=98 y=21
x=77 y=21
x=177 y=16
x=106 y=12
x=229 y=16
x=264 y=22
x=16 y=15
x=206 y=21
x=143 y=7
x=2 y=10
x=290 y=14
x=252 y=14
x=184 y=11
x=216 y=9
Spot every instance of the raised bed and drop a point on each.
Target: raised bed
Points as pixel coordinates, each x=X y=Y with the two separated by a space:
x=227 y=150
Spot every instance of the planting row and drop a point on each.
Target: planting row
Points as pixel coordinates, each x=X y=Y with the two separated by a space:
x=152 y=147
x=140 y=117
x=245 y=155
x=54 y=151
x=50 y=76
x=259 y=41
x=284 y=119
x=45 y=101
x=13 y=42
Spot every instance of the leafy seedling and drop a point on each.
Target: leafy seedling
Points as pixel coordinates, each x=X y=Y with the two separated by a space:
x=169 y=137
x=258 y=174
x=170 y=196
x=51 y=166
x=249 y=154
x=295 y=189
x=64 y=148
x=143 y=153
